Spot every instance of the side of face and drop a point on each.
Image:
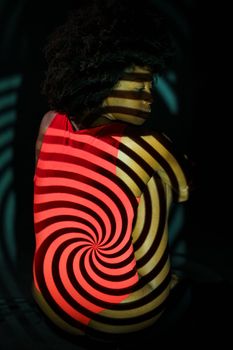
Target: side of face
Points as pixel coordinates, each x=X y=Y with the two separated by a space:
x=130 y=100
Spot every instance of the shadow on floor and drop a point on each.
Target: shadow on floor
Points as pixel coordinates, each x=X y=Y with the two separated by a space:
x=205 y=318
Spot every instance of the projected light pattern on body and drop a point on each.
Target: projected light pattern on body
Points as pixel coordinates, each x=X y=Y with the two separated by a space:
x=92 y=189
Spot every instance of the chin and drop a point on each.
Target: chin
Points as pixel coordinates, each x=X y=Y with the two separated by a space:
x=137 y=122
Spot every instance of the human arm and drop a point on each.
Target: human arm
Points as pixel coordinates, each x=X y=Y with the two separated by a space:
x=162 y=169
x=150 y=239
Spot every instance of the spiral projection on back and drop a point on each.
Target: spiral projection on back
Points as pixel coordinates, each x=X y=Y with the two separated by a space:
x=85 y=265
x=83 y=218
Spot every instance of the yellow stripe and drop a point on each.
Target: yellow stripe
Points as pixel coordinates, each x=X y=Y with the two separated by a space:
x=129 y=182
x=152 y=141
x=52 y=315
x=114 y=329
x=141 y=152
x=137 y=311
x=134 y=166
x=139 y=223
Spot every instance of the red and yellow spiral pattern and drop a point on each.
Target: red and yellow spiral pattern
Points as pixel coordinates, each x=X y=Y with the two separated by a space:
x=93 y=268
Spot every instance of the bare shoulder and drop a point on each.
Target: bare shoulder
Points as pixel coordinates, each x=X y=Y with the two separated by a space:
x=146 y=136
x=46 y=121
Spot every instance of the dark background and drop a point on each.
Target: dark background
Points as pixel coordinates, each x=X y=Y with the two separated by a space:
x=197 y=122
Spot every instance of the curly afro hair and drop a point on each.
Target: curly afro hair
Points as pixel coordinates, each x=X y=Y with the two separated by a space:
x=88 y=54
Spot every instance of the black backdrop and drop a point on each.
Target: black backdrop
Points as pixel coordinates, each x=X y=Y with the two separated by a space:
x=190 y=108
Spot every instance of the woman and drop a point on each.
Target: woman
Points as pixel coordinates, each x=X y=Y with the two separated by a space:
x=103 y=183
